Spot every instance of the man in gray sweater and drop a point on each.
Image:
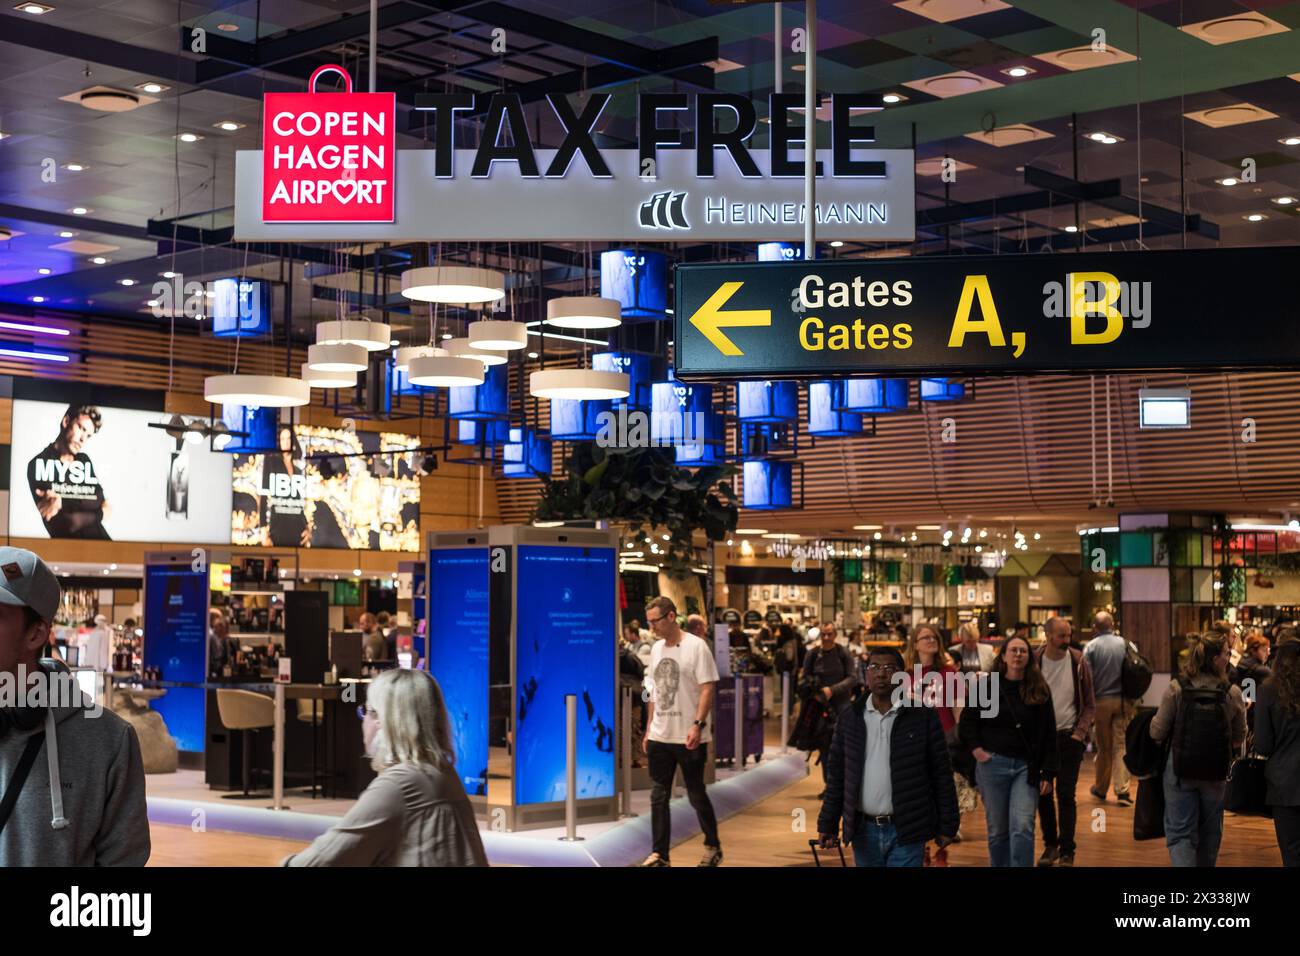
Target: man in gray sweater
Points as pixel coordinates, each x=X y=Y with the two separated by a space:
x=71 y=778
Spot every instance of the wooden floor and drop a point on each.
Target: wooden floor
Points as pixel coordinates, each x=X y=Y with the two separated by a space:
x=181 y=846
x=768 y=835
x=776 y=831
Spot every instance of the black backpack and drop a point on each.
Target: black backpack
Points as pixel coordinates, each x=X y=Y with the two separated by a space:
x=1202 y=736
x=1135 y=673
x=1144 y=757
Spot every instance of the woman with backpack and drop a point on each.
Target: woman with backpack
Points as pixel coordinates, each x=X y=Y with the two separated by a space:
x=1015 y=747
x=1277 y=737
x=1203 y=718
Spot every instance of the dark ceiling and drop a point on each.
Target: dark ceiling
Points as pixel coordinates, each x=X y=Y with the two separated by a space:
x=143 y=187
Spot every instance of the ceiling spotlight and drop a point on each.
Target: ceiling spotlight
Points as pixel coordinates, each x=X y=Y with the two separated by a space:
x=35 y=9
x=219 y=432
x=74 y=167
x=169 y=275
x=1290 y=141
x=43 y=271
x=99 y=260
x=65 y=234
x=228 y=125
x=78 y=210
x=1071 y=228
x=1285 y=200
x=152 y=87
x=189 y=137
x=893 y=98
x=1255 y=217
x=196 y=432
x=1018 y=71
x=532 y=355
x=38 y=299
x=1227 y=181
x=175 y=427
x=126 y=281
x=234 y=28
x=836 y=243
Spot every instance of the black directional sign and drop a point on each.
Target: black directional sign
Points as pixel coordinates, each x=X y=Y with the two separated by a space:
x=1179 y=309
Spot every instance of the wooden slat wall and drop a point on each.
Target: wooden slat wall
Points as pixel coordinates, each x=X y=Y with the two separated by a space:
x=1023 y=449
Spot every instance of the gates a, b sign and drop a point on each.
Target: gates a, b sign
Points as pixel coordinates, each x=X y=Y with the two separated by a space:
x=328 y=157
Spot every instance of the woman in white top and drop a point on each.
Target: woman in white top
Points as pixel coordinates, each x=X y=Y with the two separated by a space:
x=415 y=813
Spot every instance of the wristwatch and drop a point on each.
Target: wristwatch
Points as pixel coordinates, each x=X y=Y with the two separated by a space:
x=701 y=724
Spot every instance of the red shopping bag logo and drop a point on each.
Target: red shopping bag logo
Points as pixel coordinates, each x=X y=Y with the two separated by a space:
x=328 y=157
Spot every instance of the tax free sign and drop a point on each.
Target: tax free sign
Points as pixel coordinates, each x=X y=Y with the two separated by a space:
x=961 y=315
x=693 y=174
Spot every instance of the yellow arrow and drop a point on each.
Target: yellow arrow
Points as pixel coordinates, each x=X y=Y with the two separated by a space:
x=711 y=320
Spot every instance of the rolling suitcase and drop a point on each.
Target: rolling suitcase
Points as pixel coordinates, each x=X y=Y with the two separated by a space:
x=812 y=845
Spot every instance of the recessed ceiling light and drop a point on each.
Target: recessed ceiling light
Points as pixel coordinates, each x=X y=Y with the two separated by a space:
x=1255 y=217
x=43 y=271
x=1018 y=71
x=104 y=99
x=1290 y=141
x=35 y=9
x=228 y=27
x=126 y=281
x=1071 y=228
x=99 y=260
x=532 y=355
x=1285 y=200
x=78 y=210
x=169 y=275
x=1227 y=181
x=74 y=167
x=153 y=303
x=866 y=527
x=836 y=243
x=152 y=87
x=38 y=298
x=189 y=137
x=798 y=67
x=228 y=125
x=65 y=234
x=893 y=98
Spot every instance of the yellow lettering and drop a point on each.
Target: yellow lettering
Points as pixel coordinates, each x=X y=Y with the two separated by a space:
x=878 y=336
x=838 y=339
x=1080 y=306
x=902 y=336
x=988 y=324
x=813 y=326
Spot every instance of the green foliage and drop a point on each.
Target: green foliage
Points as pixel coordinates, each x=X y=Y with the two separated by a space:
x=644 y=490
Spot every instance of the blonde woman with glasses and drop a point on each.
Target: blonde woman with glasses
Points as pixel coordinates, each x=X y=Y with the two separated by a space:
x=416 y=812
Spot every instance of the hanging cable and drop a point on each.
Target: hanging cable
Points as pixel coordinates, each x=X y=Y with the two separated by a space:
x=1092 y=417
x=1110 y=493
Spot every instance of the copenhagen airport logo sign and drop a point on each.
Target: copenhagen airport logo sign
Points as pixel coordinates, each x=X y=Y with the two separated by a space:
x=693 y=166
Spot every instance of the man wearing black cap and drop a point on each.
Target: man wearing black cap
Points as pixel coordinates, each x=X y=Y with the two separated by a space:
x=71 y=773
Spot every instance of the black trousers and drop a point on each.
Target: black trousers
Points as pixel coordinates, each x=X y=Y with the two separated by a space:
x=1286 y=821
x=1067 y=780
x=664 y=760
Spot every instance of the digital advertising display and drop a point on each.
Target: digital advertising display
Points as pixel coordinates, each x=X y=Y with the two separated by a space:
x=99 y=473
x=328 y=488
x=176 y=642
x=565 y=634
x=458 y=654
x=240 y=307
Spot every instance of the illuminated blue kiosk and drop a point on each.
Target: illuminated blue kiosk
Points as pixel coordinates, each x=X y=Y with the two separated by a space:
x=520 y=618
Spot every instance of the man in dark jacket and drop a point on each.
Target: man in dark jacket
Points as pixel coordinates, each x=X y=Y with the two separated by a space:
x=889 y=784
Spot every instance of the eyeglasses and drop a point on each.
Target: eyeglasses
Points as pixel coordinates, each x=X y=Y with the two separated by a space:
x=883 y=668
x=363 y=710
x=652 y=621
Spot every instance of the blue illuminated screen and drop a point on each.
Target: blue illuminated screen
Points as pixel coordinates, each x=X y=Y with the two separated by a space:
x=240 y=307
x=458 y=654
x=176 y=642
x=565 y=636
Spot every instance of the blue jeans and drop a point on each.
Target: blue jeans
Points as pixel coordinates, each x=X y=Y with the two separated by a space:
x=1010 y=803
x=1193 y=818
x=875 y=845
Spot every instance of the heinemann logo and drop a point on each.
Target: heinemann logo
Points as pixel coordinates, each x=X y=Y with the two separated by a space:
x=665 y=211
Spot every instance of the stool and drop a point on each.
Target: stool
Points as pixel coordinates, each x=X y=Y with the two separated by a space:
x=245 y=711
x=310 y=713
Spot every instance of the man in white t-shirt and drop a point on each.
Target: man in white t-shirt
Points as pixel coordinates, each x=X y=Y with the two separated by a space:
x=683 y=678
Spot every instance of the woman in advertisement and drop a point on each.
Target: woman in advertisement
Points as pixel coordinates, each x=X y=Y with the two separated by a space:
x=284 y=493
x=64 y=483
